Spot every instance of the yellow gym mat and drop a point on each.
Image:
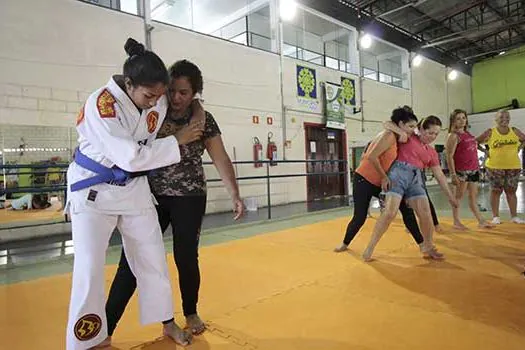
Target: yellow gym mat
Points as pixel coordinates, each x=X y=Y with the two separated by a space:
x=287 y=290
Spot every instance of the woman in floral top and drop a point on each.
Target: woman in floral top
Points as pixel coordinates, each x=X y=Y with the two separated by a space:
x=180 y=190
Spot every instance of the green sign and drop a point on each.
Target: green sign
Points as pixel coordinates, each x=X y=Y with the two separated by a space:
x=334 y=106
x=306 y=82
x=348 y=86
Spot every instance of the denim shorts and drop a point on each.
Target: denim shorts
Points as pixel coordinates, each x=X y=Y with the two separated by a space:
x=406 y=181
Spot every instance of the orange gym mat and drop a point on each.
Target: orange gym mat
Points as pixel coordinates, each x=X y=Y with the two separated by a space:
x=20 y=217
x=288 y=290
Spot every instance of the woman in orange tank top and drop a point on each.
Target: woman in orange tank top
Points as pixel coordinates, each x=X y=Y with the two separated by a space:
x=367 y=182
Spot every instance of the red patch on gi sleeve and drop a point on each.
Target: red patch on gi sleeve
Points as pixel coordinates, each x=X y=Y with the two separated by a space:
x=106 y=104
x=152 y=119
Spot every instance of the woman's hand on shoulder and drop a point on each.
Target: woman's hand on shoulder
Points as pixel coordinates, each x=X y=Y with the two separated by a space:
x=485 y=136
x=189 y=133
x=403 y=137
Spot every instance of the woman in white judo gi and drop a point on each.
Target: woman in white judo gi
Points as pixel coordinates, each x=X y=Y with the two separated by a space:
x=107 y=188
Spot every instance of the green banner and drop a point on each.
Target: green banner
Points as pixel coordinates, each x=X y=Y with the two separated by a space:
x=348 y=86
x=334 y=106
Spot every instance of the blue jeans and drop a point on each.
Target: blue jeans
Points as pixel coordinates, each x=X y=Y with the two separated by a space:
x=406 y=181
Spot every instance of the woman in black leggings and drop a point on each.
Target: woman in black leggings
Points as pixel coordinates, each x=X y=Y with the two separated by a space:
x=368 y=178
x=180 y=190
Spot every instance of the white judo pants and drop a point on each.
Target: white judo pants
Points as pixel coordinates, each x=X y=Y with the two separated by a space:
x=142 y=240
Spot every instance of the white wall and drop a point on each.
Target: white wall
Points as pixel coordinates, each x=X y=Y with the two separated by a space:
x=298 y=114
x=430 y=90
x=24 y=144
x=238 y=84
x=482 y=121
x=378 y=102
x=51 y=59
x=53 y=53
x=460 y=93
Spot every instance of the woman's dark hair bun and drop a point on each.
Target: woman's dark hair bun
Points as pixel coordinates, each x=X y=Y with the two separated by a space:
x=133 y=47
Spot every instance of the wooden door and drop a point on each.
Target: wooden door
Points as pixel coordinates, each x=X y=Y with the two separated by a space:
x=325 y=145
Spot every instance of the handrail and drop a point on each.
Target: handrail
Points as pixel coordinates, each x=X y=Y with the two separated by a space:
x=291 y=161
x=40 y=169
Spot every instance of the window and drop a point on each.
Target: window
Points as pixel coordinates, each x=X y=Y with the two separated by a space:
x=384 y=78
x=369 y=74
x=129 y=6
x=389 y=62
x=259 y=29
x=178 y=13
x=332 y=63
x=245 y=22
x=240 y=39
x=290 y=51
x=233 y=30
x=317 y=40
x=397 y=82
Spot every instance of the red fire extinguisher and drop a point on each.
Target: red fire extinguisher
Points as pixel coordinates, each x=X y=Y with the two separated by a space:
x=271 y=150
x=257 y=153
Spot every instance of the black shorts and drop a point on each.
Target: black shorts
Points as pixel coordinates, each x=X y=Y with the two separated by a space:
x=468 y=175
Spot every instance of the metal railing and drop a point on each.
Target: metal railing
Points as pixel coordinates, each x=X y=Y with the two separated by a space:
x=61 y=187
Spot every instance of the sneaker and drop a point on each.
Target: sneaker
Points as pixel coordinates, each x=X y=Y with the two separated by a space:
x=517 y=220
x=496 y=220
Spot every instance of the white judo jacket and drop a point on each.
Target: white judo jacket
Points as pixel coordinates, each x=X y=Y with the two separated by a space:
x=112 y=131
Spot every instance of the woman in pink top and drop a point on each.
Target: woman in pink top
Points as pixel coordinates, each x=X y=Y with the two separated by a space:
x=405 y=182
x=462 y=158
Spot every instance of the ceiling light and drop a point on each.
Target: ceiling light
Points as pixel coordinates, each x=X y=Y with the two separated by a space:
x=365 y=41
x=452 y=75
x=417 y=60
x=287 y=9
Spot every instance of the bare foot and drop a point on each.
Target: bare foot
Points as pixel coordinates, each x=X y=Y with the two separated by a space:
x=178 y=335
x=195 y=324
x=343 y=247
x=438 y=229
x=434 y=255
x=367 y=255
x=484 y=224
x=106 y=343
x=459 y=226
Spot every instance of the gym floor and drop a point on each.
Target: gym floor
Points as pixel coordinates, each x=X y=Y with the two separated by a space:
x=278 y=285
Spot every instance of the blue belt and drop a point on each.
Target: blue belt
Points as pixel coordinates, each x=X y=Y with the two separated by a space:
x=114 y=175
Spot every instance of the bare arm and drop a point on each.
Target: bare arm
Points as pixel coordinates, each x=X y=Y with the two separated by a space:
x=483 y=138
x=391 y=126
x=442 y=181
x=520 y=134
x=222 y=162
x=450 y=150
x=383 y=143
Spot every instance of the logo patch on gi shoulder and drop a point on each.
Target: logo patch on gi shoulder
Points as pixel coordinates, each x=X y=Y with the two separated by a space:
x=80 y=116
x=88 y=327
x=106 y=104
x=152 y=119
